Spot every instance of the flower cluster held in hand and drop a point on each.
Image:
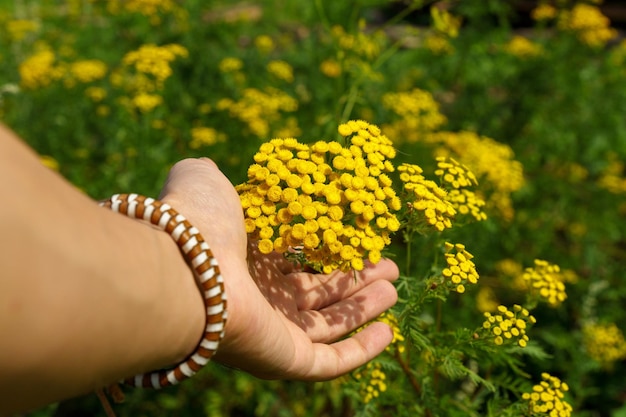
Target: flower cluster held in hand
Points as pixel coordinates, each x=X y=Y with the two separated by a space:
x=328 y=205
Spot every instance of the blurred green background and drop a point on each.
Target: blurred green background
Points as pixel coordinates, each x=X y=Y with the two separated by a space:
x=112 y=93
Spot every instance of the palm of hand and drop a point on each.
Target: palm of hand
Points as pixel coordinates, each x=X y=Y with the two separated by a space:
x=282 y=321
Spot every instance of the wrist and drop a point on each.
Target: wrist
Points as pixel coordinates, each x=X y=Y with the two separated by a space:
x=202 y=263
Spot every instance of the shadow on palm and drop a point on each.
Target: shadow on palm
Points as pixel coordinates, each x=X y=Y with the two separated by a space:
x=325 y=306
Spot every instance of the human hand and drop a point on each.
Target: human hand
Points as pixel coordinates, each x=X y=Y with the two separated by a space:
x=283 y=323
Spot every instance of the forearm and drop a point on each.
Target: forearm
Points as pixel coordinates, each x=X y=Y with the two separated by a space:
x=87 y=296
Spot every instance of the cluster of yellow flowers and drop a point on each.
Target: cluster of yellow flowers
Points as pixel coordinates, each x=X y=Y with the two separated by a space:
x=264 y=44
x=205 y=136
x=604 y=343
x=460 y=269
x=88 y=70
x=445 y=26
x=281 y=70
x=355 y=52
x=487 y=159
x=590 y=25
x=332 y=205
x=585 y=20
x=458 y=177
x=418 y=111
x=371 y=381
x=42 y=69
x=523 y=47
x=230 y=64
x=546 y=280
x=613 y=176
x=392 y=321
x=426 y=200
x=149 y=66
x=18 y=29
x=362 y=44
x=505 y=325
x=259 y=109
x=39 y=70
x=543 y=12
x=444 y=22
x=96 y=94
x=155 y=61
x=330 y=68
x=546 y=398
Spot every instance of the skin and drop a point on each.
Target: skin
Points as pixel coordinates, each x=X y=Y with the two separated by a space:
x=88 y=296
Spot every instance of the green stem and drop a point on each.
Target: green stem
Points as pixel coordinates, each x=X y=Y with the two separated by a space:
x=409 y=240
x=407 y=371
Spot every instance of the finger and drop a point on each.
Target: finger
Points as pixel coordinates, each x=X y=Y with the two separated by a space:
x=337 y=320
x=316 y=291
x=331 y=361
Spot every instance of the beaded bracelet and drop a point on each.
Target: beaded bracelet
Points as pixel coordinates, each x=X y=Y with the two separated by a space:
x=198 y=255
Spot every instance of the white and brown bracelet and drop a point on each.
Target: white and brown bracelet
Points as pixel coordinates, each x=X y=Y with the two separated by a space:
x=198 y=255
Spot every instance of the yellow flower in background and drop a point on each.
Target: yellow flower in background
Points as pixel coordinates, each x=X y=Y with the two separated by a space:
x=39 y=70
x=543 y=12
x=289 y=129
x=547 y=398
x=361 y=44
x=444 y=22
x=205 y=136
x=613 y=176
x=506 y=326
x=264 y=44
x=590 y=25
x=418 y=111
x=545 y=280
x=486 y=300
x=513 y=273
x=492 y=162
x=19 y=29
x=281 y=70
x=522 y=47
x=438 y=44
x=392 y=321
x=330 y=68
x=372 y=381
x=327 y=205
x=96 y=94
x=604 y=343
x=154 y=61
x=87 y=71
x=145 y=102
x=259 y=109
x=230 y=64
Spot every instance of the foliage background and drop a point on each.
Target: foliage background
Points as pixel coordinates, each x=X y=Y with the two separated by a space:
x=558 y=105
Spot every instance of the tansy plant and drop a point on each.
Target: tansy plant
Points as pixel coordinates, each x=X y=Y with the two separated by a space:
x=333 y=205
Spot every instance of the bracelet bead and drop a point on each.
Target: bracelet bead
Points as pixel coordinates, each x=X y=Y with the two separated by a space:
x=199 y=257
